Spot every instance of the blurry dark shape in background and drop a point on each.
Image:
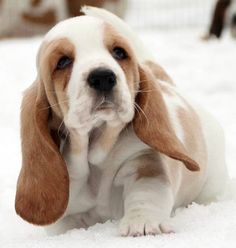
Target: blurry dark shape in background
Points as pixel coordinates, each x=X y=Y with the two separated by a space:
x=219 y=22
x=20 y=18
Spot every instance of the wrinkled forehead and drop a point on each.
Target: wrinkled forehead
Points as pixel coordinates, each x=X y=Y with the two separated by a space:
x=83 y=35
x=83 y=31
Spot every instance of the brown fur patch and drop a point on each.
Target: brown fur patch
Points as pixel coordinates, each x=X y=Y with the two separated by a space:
x=56 y=81
x=150 y=165
x=113 y=39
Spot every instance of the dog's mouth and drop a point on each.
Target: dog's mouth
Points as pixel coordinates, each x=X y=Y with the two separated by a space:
x=106 y=106
x=104 y=103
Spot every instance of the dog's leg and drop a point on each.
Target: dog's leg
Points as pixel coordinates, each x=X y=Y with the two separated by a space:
x=75 y=153
x=148 y=198
x=80 y=198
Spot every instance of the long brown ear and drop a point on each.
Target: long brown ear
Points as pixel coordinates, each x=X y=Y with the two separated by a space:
x=152 y=124
x=43 y=184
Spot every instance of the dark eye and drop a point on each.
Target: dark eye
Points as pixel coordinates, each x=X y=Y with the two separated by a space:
x=119 y=53
x=63 y=62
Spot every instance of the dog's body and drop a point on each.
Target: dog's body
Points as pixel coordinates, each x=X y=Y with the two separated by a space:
x=124 y=161
x=108 y=180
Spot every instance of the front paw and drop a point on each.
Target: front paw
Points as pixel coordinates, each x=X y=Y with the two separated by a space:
x=139 y=224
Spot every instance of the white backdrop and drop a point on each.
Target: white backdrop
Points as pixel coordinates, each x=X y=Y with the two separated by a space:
x=169 y=13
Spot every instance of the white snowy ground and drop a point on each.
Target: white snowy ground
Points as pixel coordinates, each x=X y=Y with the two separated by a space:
x=205 y=71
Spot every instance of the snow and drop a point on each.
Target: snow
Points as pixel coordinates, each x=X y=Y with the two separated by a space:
x=171 y=14
x=205 y=71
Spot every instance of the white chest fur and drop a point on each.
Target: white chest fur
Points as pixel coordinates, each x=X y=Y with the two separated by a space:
x=97 y=188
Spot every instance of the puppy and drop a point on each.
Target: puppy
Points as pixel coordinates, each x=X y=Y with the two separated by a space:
x=107 y=135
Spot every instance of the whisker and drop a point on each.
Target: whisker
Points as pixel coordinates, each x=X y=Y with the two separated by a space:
x=137 y=109
x=55 y=91
x=81 y=102
x=144 y=91
x=58 y=130
x=148 y=89
x=100 y=103
x=56 y=104
x=142 y=112
x=145 y=80
x=67 y=134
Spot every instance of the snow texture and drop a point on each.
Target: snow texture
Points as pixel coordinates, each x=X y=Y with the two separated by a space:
x=205 y=71
x=170 y=14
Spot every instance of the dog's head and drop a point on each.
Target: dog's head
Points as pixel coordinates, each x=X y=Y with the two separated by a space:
x=88 y=73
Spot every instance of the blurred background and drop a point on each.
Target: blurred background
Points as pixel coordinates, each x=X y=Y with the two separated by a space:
x=33 y=17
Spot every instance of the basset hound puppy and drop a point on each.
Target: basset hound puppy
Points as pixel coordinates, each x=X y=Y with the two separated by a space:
x=106 y=134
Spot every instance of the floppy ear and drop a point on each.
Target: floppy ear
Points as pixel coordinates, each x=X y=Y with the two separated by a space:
x=43 y=184
x=152 y=124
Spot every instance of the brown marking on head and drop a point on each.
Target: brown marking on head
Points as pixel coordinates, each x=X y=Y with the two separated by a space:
x=43 y=184
x=113 y=39
x=48 y=18
x=152 y=125
x=56 y=81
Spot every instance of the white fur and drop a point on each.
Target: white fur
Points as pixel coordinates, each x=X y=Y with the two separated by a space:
x=110 y=190
x=173 y=104
x=146 y=208
x=217 y=173
x=142 y=52
x=86 y=34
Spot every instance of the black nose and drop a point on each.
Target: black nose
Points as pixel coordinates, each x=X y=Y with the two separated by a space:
x=102 y=79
